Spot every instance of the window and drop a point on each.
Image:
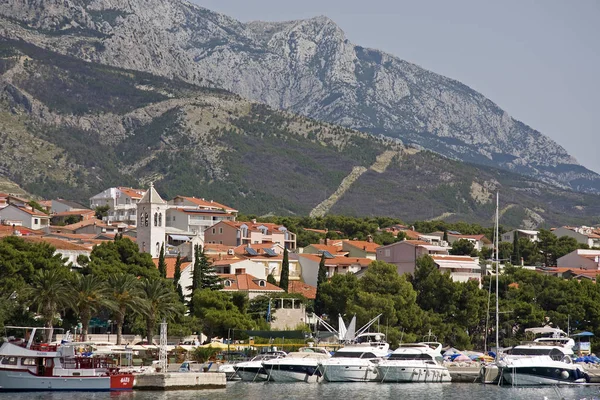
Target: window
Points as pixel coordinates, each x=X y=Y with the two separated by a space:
x=227 y=283
x=220 y=242
x=173 y=218
x=262 y=283
x=145 y=219
x=27 y=361
x=9 y=361
x=387 y=252
x=214 y=231
x=220 y=230
x=157 y=247
x=35 y=221
x=160 y=219
x=143 y=247
x=155 y=219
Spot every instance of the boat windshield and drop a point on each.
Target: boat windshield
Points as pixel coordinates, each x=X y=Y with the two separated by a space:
x=353 y=354
x=536 y=351
x=425 y=357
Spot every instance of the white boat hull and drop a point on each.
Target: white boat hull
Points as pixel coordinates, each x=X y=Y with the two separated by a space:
x=20 y=380
x=363 y=372
x=519 y=379
x=403 y=373
x=280 y=375
x=252 y=374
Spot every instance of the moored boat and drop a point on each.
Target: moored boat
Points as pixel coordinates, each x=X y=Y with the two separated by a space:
x=356 y=362
x=253 y=370
x=25 y=366
x=414 y=362
x=298 y=366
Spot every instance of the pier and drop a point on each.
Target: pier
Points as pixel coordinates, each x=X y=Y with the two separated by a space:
x=180 y=381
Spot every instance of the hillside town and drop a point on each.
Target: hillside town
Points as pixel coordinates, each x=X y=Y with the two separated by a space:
x=245 y=253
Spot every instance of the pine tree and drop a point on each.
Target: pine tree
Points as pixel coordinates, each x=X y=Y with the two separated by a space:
x=445 y=238
x=162 y=264
x=284 y=278
x=516 y=255
x=177 y=277
x=196 y=277
x=321 y=279
x=208 y=276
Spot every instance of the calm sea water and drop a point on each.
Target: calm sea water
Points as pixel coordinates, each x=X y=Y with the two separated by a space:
x=333 y=391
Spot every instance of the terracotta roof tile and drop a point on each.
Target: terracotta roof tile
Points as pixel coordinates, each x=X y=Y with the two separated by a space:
x=246 y=282
x=369 y=247
x=58 y=244
x=207 y=203
x=306 y=290
x=133 y=193
x=170 y=262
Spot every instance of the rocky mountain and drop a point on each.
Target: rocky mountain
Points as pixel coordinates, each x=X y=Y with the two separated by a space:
x=72 y=128
x=307 y=67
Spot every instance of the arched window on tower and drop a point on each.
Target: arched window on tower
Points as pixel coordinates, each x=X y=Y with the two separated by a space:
x=160 y=219
x=145 y=219
x=143 y=247
x=142 y=218
x=155 y=219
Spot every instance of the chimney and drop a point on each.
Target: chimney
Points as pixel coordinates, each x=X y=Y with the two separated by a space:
x=254 y=220
x=370 y=238
x=412 y=228
x=322 y=241
x=220 y=256
x=326 y=242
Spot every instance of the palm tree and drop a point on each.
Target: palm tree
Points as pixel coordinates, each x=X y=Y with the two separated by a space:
x=90 y=294
x=127 y=296
x=160 y=302
x=50 y=292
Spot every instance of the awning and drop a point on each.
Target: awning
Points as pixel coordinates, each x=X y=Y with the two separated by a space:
x=180 y=238
x=583 y=334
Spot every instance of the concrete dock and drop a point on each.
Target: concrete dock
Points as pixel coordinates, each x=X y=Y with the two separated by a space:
x=470 y=374
x=180 y=381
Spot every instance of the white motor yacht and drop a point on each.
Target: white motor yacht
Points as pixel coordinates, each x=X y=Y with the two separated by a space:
x=414 y=362
x=356 y=362
x=253 y=370
x=297 y=366
x=526 y=367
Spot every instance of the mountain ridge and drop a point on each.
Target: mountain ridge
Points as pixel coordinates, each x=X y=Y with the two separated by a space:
x=121 y=127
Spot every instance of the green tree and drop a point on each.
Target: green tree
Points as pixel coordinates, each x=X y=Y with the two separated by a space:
x=102 y=211
x=218 y=313
x=50 y=292
x=160 y=302
x=516 y=254
x=321 y=279
x=128 y=297
x=162 y=264
x=177 y=278
x=90 y=294
x=120 y=256
x=271 y=279
x=284 y=280
x=462 y=247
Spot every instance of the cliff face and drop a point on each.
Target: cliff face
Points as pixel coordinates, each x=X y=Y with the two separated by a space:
x=307 y=66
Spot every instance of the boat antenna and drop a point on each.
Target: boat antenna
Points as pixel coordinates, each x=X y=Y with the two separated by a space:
x=497 y=276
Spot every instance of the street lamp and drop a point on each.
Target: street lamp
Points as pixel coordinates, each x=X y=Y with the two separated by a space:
x=109 y=328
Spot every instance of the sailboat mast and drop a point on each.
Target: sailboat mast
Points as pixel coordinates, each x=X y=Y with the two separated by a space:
x=497 y=275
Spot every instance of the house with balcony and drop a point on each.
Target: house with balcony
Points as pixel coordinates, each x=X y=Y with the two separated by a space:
x=200 y=204
x=270 y=260
x=333 y=249
x=195 y=220
x=68 y=250
x=461 y=268
x=521 y=233
x=479 y=241
x=309 y=264
x=583 y=234
x=91 y=226
x=404 y=254
x=24 y=215
x=246 y=283
x=238 y=233
x=122 y=202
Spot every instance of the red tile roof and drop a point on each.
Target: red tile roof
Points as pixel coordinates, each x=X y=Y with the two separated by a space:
x=8 y=230
x=306 y=290
x=443 y=257
x=217 y=248
x=133 y=193
x=245 y=282
x=58 y=244
x=170 y=262
x=331 y=249
x=410 y=234
x=33 y=212
x=369 y=247
x=363 y=262
x=207 y=203
x=74 y=212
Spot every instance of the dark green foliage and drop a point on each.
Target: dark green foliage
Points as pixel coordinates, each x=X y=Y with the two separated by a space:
x=102 y=211
x=203 y=276
x=285 y=271
x=122 y=256
x=516 y=255
x=462 y=247
x=271 y=279
x=218 y=313
x=177 y=277
x=321 y=280
x=162 y=265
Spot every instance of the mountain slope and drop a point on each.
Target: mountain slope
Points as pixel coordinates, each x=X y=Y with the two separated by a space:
x=307 y=66
x=72 y=128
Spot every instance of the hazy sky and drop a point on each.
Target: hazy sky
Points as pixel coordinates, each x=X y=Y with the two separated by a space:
x=538 y=60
